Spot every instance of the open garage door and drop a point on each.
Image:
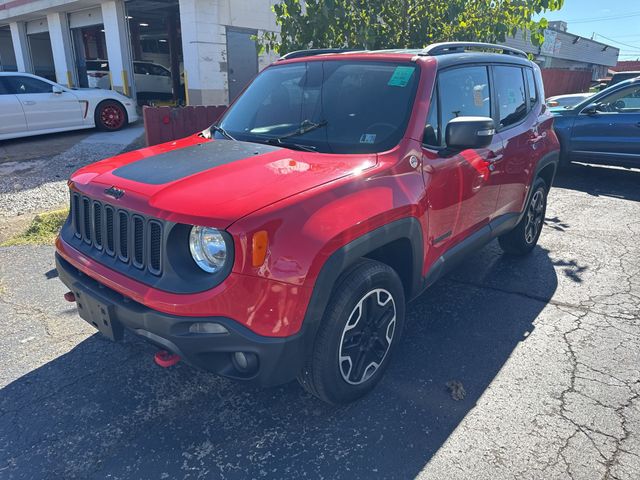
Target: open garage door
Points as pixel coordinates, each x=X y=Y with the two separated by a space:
x=156 y=47
x=89 y=48
x=7 y=55
x=40 y=49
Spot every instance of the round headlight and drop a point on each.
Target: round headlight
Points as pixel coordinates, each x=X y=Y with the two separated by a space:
x=208 y=248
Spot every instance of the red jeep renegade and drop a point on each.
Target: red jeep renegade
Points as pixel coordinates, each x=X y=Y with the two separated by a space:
x=284 y=241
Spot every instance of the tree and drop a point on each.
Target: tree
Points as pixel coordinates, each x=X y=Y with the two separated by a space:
x=379 y=24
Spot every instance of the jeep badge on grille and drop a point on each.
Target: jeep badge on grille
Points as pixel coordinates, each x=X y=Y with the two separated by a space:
x=114 y=192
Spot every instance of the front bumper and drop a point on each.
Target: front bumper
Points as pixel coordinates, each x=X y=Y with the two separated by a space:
x=279 y=360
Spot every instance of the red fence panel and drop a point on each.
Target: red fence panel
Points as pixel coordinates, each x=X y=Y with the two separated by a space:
x=164 y=124
x=558 y=81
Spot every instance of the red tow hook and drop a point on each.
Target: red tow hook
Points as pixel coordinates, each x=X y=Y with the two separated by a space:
x=70 y=297
x=166 y=359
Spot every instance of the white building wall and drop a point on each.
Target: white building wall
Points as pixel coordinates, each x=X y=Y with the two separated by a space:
x=21 y=46
x=118 y=46
x=203 y=40
x=203 y=29
x=204 y=45
x=61 y=48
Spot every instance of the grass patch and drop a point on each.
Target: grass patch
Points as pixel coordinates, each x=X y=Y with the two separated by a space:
x=43 y=229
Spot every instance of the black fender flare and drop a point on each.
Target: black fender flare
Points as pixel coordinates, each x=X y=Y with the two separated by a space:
x=406 y=228
x=551 y=158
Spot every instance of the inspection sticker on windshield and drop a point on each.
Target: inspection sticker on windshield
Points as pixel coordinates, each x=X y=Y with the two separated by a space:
x=368 y=138
x=401 y=76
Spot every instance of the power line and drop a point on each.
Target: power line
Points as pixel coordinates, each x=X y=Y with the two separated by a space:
x=628 y=35
x=600 y=19
x=616 y=41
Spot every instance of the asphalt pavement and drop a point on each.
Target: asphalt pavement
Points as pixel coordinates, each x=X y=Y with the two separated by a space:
x=546 y=349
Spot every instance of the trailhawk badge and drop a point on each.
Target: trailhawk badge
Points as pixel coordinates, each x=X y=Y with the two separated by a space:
x=114 y=192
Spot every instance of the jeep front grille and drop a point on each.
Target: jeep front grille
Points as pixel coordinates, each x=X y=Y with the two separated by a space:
x=130 y=238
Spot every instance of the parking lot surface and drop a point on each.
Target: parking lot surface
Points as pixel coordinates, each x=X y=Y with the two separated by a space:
x=546 y=348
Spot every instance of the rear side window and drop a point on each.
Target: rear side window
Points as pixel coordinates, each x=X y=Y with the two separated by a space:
x=158 y=70
x=140 y=68
x=533 y=90
x=463 y=92
x=509 y=87
x=21 y=85
x=97 y=66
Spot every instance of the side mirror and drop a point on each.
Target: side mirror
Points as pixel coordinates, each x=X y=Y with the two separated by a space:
x=590 y=109
x=470 y=132
x=57 y=89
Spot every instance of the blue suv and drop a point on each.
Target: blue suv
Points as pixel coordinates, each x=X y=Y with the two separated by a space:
x=603 y=129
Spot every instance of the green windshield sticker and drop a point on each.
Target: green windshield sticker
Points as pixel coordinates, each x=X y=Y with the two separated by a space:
x=401 y=76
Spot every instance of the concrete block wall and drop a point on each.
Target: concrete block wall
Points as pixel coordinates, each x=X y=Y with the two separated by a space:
x=204 y=44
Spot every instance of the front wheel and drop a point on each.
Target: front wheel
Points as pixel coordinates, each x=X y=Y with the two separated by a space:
x=525 y=234
x=110 y=116
x=360 y=329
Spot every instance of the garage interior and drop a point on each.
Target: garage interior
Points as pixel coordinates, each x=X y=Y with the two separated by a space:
x=154 y=27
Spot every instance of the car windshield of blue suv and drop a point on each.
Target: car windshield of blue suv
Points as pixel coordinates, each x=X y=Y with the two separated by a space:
x=337 y=106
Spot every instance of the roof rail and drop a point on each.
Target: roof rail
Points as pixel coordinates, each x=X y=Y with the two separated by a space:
x=315 y=51
x=460 y=47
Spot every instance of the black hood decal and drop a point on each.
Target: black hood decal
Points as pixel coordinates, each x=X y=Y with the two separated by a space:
x=183 y=162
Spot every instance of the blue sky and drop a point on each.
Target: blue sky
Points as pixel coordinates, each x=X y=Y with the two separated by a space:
x=617 y=20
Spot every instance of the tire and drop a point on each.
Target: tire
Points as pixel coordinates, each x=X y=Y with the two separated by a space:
x=110 y=116
x=349 y=357
x=524 y=236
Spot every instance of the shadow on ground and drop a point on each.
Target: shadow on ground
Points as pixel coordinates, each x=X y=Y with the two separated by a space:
x=104 y=410
x=601 y=181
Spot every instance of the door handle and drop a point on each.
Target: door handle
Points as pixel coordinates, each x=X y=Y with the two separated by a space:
x=533 y=139
x=492 y=159
x=29 y=102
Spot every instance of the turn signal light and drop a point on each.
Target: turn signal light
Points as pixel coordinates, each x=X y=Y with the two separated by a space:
x=259 y=245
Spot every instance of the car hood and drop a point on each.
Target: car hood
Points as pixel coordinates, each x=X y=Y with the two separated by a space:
x=211 y=182
x=561 y=111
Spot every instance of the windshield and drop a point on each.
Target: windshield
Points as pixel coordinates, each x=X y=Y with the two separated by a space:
x=330 y=106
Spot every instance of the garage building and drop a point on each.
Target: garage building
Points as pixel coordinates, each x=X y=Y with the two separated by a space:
x=195 y=51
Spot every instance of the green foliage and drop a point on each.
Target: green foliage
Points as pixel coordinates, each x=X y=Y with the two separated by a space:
x=379 y=24
x=43 y=230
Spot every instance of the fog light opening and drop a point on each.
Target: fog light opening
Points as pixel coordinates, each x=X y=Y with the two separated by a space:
x=207 y=327
x=245 y=362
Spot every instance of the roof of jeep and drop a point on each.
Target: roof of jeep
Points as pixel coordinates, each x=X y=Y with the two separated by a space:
x=443 y=60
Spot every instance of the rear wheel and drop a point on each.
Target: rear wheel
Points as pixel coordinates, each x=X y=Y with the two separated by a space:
x=524 y=236
x=110 y=116
x=360 y=329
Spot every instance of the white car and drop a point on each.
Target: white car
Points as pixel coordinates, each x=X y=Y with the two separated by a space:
x=32 y=105
x=153 y=81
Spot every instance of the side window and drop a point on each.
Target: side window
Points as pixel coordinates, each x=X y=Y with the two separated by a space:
x=533 y=89
x=463 y=92
x=158 y=70
x=21 y=84
x=431 y=129
x=511 y=95
x=625 y=101
x=140 y=69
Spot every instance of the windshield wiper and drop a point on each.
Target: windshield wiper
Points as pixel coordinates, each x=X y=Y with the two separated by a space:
x=295 y=146
x=220 y=130
x=305 y=127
